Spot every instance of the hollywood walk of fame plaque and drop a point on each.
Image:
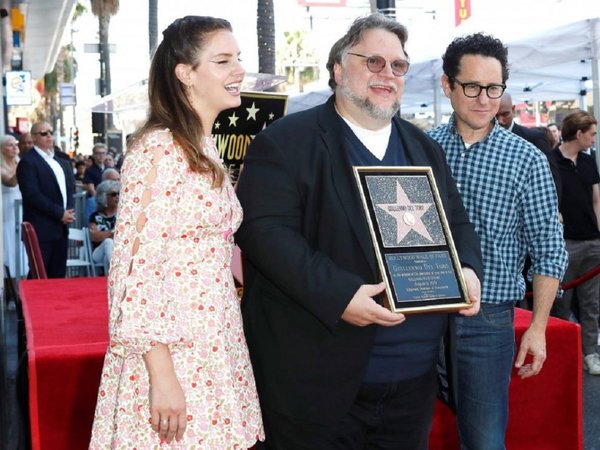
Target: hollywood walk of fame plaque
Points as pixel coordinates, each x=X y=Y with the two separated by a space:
x=413 y=245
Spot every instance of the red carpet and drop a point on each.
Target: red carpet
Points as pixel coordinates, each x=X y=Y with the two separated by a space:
x=66 y=322
x=67 y=334
x=546 y=411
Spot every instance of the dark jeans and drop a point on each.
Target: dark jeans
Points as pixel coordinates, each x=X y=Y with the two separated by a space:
x=54 y=254
x=394 y=416
x=485 y=349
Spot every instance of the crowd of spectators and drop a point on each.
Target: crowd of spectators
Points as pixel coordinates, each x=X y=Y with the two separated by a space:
x=86 y=173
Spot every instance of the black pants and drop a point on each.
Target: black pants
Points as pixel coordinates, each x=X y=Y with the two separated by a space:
x=394 y=416
x=54 y=254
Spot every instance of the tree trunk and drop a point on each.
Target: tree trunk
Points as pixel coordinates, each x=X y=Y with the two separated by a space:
x=152 y=25
x=105 y=81
x=104 y=9
x=265 y=28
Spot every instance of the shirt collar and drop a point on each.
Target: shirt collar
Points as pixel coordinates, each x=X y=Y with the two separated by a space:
x=493 y=132
x=43 y=154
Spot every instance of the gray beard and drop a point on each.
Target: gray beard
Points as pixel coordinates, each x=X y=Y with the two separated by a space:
x=372 y=110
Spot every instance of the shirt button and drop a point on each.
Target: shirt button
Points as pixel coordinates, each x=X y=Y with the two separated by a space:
x=458 y=185
x=462 y=155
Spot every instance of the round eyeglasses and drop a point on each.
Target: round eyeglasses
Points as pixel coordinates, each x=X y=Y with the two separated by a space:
x=473 y=90
x=376 y=64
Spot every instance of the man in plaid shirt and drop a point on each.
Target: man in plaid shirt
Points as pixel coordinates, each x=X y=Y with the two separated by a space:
x=508 y=191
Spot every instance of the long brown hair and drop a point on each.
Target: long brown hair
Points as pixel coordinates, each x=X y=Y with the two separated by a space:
x=170 y=107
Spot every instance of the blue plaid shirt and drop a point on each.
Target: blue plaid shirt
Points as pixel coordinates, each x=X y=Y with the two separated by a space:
x=507 y=189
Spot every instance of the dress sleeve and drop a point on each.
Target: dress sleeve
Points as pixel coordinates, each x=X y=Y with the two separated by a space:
x=142 y=306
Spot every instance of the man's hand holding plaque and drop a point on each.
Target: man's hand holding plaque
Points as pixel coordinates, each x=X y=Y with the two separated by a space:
x=363 y=310
x=474 y=291
x=412 y=241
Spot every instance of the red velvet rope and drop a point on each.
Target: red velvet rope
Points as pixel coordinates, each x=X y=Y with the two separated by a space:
x=576 y=282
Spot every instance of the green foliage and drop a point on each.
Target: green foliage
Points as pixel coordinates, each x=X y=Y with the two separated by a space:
x=297 y=57
x=80 y=9
x=295 y=50
x=50 y=83
x=69 y=71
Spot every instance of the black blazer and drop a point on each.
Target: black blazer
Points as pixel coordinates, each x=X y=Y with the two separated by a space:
x=536 y=137
x=42 y=200
x=307 y=251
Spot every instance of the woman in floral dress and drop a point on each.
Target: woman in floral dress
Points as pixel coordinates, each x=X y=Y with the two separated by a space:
x=177 y=372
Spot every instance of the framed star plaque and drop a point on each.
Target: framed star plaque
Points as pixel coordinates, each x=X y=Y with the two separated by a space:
x=413 y=245
x=235 y=128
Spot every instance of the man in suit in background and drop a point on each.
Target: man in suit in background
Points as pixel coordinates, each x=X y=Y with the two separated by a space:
x=333 y=367
x=47 y=186
x=505 y=118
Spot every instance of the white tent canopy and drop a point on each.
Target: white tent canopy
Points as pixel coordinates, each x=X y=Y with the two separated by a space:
x=554 y=65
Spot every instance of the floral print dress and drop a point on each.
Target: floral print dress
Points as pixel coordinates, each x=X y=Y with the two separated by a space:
x=170 y=282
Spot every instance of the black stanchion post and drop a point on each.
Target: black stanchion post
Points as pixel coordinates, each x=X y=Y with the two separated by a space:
x=387 y=7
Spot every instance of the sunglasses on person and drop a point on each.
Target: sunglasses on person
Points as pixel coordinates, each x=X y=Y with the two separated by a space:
x=114 y=194
x=376 y=64
x=44 y=133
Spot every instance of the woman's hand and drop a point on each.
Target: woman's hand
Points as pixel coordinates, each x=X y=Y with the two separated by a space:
x=167 y=408
x=167 y=401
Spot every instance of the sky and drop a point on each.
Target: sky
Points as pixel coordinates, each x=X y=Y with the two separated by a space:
x=430 y=24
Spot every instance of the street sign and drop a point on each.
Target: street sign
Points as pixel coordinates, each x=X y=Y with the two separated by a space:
x=18 y=87
x=68 y=96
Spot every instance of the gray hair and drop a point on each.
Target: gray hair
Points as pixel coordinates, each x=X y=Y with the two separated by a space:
x=102 y=191
x=99 y=145
x=7 y=137
x=355 y=34
x=110 y=171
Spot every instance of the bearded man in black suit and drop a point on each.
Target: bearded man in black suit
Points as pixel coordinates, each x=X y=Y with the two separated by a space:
x=333 y=367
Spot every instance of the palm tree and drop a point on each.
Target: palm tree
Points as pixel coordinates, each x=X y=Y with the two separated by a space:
x=265 y=28
x=104 y=10
x=64 y=71
x=152 y=25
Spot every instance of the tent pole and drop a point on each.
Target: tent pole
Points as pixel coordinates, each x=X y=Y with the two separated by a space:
x=437 y=107
x=596 y=100
x=596 y=87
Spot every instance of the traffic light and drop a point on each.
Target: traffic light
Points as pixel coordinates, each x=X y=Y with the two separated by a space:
x=76 y=139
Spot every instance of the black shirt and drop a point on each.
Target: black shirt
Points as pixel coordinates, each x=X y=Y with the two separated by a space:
x=93 y=174
x=576 y=201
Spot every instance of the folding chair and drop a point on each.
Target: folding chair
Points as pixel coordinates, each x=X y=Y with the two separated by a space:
x=79 y=256
x=37 y=271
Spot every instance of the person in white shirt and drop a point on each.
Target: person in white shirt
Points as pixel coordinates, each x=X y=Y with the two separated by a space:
x=47 y=185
